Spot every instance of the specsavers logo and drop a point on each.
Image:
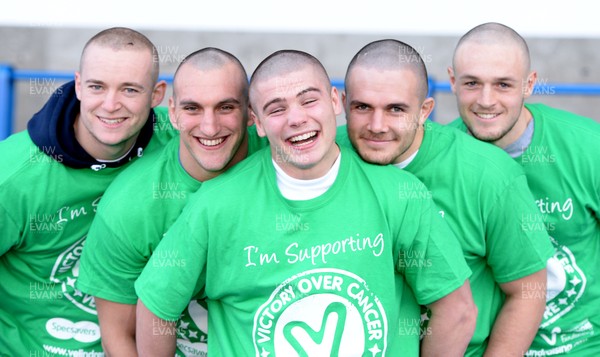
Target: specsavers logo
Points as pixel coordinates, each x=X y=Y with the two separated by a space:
x=83 y=331
x=321 y=312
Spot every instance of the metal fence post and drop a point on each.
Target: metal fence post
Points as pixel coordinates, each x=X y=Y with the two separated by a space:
x=6 y=100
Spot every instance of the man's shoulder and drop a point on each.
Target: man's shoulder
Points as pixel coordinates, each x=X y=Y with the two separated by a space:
x=380 y=176
x=458 y=124
x=255 y=141
x=22 y=159
x=136 y=181
x=248 y=169
x=474 y=156
x=554 y=119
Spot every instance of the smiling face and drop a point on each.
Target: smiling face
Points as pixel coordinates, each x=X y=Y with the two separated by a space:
x=209 y=108
x=491 y=83
x=117 y=91
x=385 y=113
x=297 y=111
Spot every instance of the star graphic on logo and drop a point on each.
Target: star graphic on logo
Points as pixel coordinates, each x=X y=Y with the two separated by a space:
x=264 y=353
x=193 y=334
x=71 y=282
x=571 y=292
x=183 y=325
x=424 y=317
x=374 y=350
x=575 y=281
x=77 y=293
x=562 y=301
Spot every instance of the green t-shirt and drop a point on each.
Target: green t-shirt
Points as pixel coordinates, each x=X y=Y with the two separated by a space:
x=134 y=214
x=46 y=209
x=562 y=165
x=484 y=197
x=318 y=277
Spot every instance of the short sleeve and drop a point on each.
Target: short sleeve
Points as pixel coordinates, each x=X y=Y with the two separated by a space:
x=176 y=270
x=517 y=243
x=110 y=264
x=433 y=262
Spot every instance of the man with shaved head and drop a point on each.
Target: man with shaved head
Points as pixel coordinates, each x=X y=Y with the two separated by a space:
x=209 y=109
x=52 y=177
x=491 y=78
x=304 y=249
x=481 y=193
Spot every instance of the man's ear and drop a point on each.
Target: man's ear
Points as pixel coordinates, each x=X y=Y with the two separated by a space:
x=426 y=109
x=158 y=93
x=530 y=84
x=78 y=85
x=250 y=120
x=452 y=79
x=335 y=101
x=254 y=118
x=172 y=116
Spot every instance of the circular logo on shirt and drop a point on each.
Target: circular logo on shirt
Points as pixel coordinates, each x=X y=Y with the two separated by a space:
x=192 y=330
x=321 y=312
x=66 y=272
x=566 y=284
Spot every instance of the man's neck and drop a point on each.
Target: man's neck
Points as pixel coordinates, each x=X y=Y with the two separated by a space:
x=306 y=189
x=518 y=147
x=410 y=153
x=316 y=171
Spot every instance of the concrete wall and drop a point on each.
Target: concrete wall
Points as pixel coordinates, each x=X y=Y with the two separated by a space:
x=58 y=49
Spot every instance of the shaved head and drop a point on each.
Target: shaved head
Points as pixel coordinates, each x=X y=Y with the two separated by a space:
x=391 y=55
x=211 y=58
x=493 y=33
x=124 y=39
x=491 y=78
x=287 y=61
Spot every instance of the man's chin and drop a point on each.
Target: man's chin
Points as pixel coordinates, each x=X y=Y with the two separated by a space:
x=375 y=158
x=487 y=137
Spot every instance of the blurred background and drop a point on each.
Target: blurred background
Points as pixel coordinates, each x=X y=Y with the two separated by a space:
x=564 y=39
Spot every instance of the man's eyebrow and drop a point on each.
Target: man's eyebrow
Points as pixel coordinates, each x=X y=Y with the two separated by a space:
x=301 y=93
x=185 y=102
x=500 y=79
x=355 y=103
x=126 y=84
x=231 y=100
x=272 y=101
x=358 y=102
x=309 y=89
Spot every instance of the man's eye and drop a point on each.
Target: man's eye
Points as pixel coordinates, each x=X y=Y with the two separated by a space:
x=131 y=90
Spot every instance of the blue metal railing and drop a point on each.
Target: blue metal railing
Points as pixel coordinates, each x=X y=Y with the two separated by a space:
x=9 y=75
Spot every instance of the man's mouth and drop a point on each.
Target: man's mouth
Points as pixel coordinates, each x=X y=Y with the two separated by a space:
x=487 y=116
x=303 y=139
x=211 y=142
x=111 y=121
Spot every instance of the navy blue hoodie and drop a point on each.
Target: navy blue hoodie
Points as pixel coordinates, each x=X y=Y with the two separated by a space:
x=53 y=127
